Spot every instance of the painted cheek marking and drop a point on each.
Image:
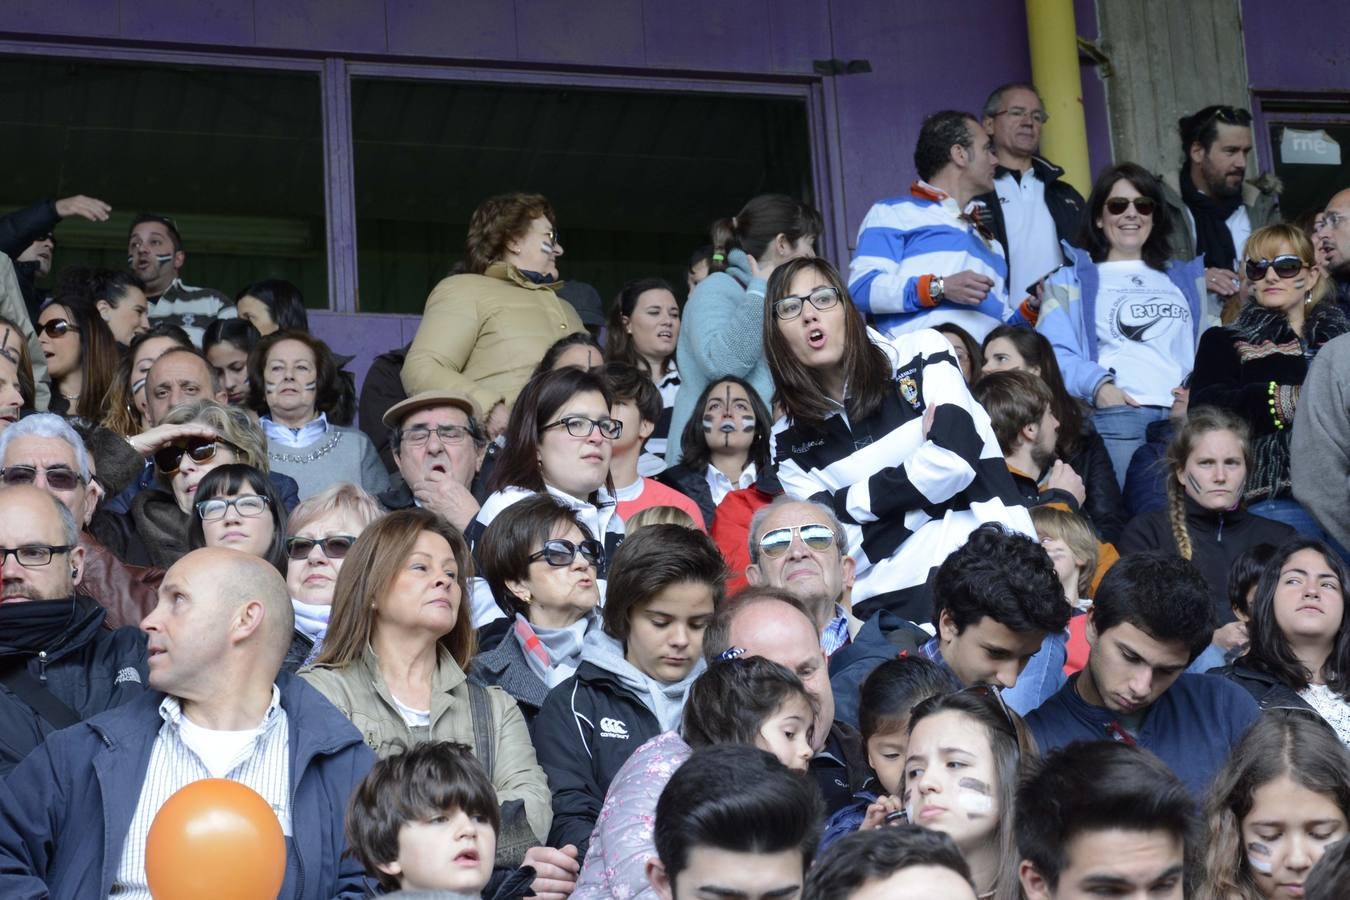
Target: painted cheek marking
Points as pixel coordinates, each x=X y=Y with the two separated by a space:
x=975 y=797
x=747 y=423
x=708 y=423
x=1195 y=485
x=1258 y=857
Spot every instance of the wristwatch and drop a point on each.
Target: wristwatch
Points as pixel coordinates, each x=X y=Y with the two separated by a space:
x=936 y=288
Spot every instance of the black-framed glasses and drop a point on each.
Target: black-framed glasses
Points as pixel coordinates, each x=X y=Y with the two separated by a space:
x=581 y=426
x=335 y=546
x=1116 y=206
x=420 y=434
x=1017 y=112
x=791 y=306
x=249 y=506
x=1286 y=265
x=560 y=553
x=57 y=479
x=54 y=328
x=201 y=450
x=815 y=536
x=33 y=556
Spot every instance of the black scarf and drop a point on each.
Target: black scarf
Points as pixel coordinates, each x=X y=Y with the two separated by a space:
x=30 y=626
x=1212 y=237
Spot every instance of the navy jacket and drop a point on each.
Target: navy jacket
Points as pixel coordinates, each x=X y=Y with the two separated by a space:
x=65 y=810
x=587 y=728
x=89 y=668
x=1192 y=727
x=884 y=636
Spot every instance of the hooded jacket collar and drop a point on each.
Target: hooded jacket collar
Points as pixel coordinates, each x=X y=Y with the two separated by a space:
x=86 y=620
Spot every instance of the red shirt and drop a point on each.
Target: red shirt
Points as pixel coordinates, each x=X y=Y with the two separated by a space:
x=653 y=493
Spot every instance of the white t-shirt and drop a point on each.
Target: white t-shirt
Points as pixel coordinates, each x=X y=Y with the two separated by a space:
x=413 y=718
x=219 y=751
x=1033 y=242
x=1145 y=331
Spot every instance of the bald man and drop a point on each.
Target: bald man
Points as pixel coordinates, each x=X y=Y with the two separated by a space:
x=59 y=664
x=81 y=806
x=772 y=623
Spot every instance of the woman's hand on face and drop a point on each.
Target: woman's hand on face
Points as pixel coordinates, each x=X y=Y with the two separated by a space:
x=1224 y=282
x=148 y=442
x=877 y=812
x=1110 y=395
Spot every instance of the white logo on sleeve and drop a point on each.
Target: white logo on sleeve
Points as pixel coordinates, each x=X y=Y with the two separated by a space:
x=127 y=674
x=613 y=728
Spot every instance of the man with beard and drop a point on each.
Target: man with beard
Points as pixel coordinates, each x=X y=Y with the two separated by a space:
x=59 y=665
x=1212 y=217
x=1331 y=240
x=155 y=254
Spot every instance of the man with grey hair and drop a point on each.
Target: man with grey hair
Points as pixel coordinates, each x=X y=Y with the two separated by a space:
x=58 y=663
x=45 y=451
x=798 y=547
x=1030 y=210
x=77 y=815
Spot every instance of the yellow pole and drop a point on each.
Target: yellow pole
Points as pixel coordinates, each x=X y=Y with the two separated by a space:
x=1053 y=37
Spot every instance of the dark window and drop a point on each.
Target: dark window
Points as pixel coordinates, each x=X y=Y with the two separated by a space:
x=635 y=177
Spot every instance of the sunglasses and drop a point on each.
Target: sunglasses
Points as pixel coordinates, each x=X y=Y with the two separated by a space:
x=814 y=535
x=1116 y=206
x=990 y=692
x=334 y=546
x=202 y=450
x=250 y=505
x=1286 y=266
x=57 y=479
x=560 y=553
x=54 y=328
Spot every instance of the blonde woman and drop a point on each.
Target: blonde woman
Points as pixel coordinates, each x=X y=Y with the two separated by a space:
x=1255 y=367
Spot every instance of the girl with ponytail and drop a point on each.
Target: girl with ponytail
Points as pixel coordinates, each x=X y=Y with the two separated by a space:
x=1205 y=520
x=723 y=323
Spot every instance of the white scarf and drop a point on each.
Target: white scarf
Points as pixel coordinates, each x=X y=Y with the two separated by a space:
x=311 y=620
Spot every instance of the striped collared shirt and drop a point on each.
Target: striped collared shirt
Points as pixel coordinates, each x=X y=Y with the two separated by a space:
x=263 y=764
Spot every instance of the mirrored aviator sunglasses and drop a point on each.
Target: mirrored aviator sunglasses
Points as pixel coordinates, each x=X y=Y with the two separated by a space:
x=168 y=459
x=334 y=547
x=815 y=536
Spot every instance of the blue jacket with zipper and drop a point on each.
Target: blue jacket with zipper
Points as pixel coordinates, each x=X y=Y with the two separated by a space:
x=65 y=811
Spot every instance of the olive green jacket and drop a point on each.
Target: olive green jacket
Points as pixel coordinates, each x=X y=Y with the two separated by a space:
x=360 y=692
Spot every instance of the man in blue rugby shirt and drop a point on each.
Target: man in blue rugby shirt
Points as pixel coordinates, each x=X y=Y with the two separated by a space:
x=1150 y=617
x=923 y=259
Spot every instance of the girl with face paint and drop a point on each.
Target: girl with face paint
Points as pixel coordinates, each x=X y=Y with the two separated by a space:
x=294 y=385
x=725 y=448
x=1283 y=798
x=1209 y=465
x=961 y=772
x=1256 y=366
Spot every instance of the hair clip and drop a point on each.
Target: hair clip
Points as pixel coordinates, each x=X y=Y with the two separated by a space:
x=731 y=653
x=719 y=257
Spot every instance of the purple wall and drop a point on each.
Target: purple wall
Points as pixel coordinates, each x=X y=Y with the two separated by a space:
x=1297 y=45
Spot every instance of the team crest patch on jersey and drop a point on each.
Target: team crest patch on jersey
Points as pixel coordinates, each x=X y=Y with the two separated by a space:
x=909 y=389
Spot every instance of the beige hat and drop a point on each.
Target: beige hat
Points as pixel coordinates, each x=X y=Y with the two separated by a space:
x=404 y=408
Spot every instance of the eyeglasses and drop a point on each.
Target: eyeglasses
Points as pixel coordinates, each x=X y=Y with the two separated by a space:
x=335 y=546
x=33 y=556
x=791 y=307
x=1116 y=206
x=581 y=427
x=57 y=479
x=250 y=505
x=54 y=328
x=449 y=434
x=1018 y=112
x=814 y=535
x=1333 y=219
x=560 y=554
x=1286 y=266
x=202 y=450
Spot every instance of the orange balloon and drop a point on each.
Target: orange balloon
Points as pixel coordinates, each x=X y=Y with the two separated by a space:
x=215 y=838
